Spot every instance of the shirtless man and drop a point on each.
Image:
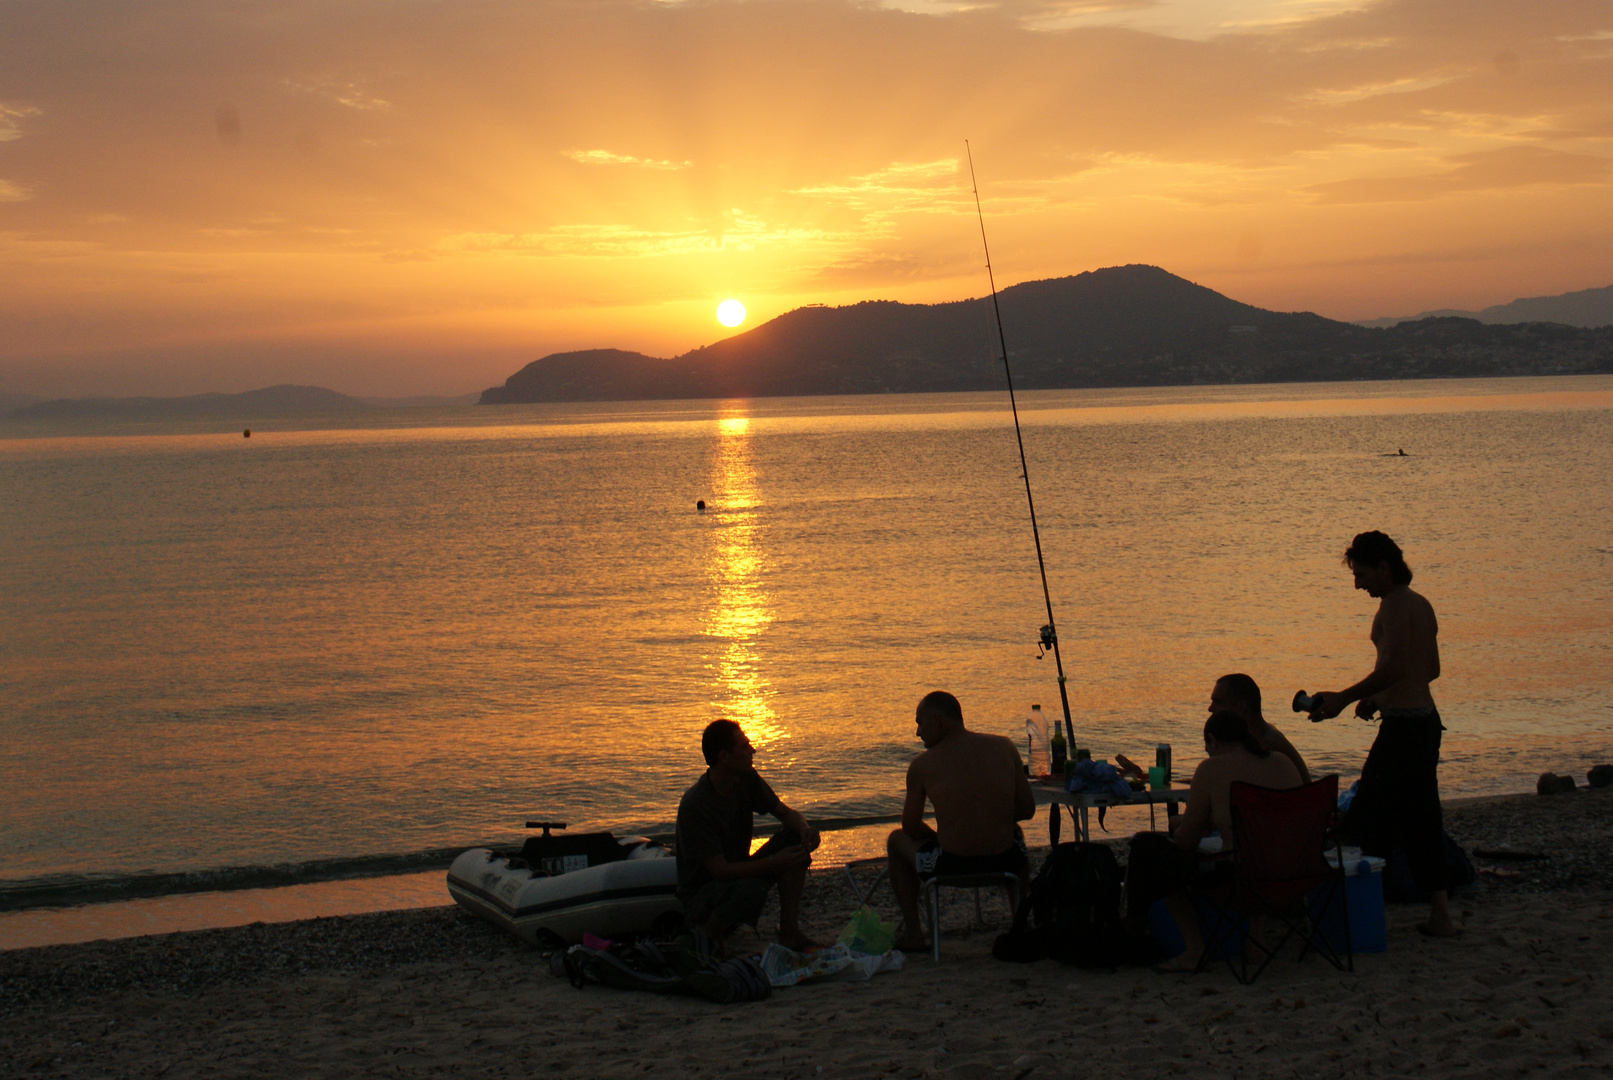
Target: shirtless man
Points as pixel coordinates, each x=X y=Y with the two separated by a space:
x=1240 y=694
x=1160 y=867
x=978 y=788
x=1397 y=803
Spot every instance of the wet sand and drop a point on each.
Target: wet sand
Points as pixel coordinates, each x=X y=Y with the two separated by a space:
x=1529 y=988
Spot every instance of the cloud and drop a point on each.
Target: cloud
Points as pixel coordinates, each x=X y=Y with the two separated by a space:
x=605 y=157
x=349 y=93
x=738 y=232
x=414 y=163
x=899 y=186
x=10 y=115
x=1488 y=170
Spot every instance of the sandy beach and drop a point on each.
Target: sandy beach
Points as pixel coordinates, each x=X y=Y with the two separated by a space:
x=1528 y=989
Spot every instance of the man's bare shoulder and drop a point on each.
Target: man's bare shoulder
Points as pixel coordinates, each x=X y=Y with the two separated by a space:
x=967 y=749
x=981 y=740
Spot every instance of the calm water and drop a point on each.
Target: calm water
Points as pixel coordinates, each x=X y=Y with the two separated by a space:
x=403 y=632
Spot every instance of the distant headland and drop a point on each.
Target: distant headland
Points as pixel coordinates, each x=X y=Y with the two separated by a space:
x=1121 y=326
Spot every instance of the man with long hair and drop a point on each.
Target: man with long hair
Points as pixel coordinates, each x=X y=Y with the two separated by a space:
x=1397 y=803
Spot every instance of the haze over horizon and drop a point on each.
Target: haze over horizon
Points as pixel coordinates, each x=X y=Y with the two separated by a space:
x=419 y=199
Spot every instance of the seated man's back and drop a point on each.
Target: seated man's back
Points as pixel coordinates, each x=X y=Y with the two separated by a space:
x=1220 y=772
x=973 y=780
x=1234 y=755
x=978 y=788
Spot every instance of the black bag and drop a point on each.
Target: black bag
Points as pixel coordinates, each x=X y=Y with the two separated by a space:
x=1399 y=887
x=683 y=965
x=1074 y=901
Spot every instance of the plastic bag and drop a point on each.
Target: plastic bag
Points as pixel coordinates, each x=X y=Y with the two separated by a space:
x=785 y=967
x=868 y=933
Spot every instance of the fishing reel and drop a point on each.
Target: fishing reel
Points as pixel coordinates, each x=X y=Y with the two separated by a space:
x=1048 y=640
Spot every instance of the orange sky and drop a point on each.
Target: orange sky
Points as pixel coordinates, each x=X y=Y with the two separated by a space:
x=419 y=196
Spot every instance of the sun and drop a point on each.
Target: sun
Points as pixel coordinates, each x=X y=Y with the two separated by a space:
x=730 y=313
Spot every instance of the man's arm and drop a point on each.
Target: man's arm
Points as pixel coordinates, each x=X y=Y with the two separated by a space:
x=1280 y=743
x=1395 y=624
x=796 y=822
x=1195 y=820
x=913 y=823
x=721 y=869
x=1024 y=799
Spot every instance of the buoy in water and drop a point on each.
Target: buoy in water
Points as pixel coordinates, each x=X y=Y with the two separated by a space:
x=700 y=505
x=247 y=434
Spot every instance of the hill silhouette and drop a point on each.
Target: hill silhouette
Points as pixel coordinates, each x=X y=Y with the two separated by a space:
x=282 y=400
x=1587 y=307
x=1121 y=326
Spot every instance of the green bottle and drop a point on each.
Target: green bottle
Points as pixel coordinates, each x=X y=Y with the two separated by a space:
x=1059 y=749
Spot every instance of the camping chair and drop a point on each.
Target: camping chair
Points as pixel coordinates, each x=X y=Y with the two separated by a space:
x=930 y=897
x=882 y=863
x=1280 y=874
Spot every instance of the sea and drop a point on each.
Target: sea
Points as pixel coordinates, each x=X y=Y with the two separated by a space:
x=347 y=646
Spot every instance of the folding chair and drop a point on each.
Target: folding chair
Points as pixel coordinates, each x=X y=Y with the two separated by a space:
x=1278 y=864
x=930 y=897
x=864 y=895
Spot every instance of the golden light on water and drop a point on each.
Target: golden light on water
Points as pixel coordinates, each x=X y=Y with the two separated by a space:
x=740 y=610
x=730 y=313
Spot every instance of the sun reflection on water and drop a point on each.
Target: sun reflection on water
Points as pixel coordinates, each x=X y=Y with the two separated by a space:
x=740 y=609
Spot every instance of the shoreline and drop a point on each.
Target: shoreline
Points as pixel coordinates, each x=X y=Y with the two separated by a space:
x=1528 y=986
x=194 y=911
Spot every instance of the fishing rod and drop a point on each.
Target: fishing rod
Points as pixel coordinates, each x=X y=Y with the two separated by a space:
x=1050 y=636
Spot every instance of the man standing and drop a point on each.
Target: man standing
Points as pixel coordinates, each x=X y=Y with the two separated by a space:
x=1241 y=694
x=978 y=788
x=1397 y=803
x=720 y=882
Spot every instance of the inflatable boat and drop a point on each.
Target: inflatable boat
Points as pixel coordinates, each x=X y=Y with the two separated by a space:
x=559 y=887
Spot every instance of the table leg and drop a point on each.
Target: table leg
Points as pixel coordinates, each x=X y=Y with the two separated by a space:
x=1053 y=823
x=1083 y=830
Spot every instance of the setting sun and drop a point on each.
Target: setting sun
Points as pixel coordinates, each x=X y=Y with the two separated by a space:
x=730 y=313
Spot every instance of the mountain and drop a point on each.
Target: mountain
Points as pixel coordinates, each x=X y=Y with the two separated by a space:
x=1122 y=326
x=9 y=401
x=421 y=401
x=270 y=401
x=1587 y=307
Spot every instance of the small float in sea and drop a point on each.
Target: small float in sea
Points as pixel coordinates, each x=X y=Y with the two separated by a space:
x=559 y=887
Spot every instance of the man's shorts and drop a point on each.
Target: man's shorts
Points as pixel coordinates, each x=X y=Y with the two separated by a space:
x=932 y=862
x=731 y=902
x=739 y=901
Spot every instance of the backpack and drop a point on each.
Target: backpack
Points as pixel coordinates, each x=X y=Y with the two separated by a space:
x=1400 y=887
x=682 y=965
x=1074 y=901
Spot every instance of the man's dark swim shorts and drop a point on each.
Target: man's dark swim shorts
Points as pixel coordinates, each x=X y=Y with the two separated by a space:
x=932 y=862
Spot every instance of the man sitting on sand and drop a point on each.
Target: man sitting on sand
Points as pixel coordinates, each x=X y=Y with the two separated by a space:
x=1240 y=694
x=720 y=882
x=978 y=788
x=1162 y=867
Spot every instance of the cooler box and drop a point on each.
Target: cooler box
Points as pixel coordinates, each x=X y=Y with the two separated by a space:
x=1363 y=890
x=1165 y=931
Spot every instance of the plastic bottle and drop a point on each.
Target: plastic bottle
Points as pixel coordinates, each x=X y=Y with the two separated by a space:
x=1036 y=743
x=1060 y=749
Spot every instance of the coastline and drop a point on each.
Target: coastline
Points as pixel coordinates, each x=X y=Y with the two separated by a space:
x=1531 y=983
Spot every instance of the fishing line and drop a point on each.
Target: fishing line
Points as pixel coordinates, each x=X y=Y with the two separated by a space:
x=1049 y=637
